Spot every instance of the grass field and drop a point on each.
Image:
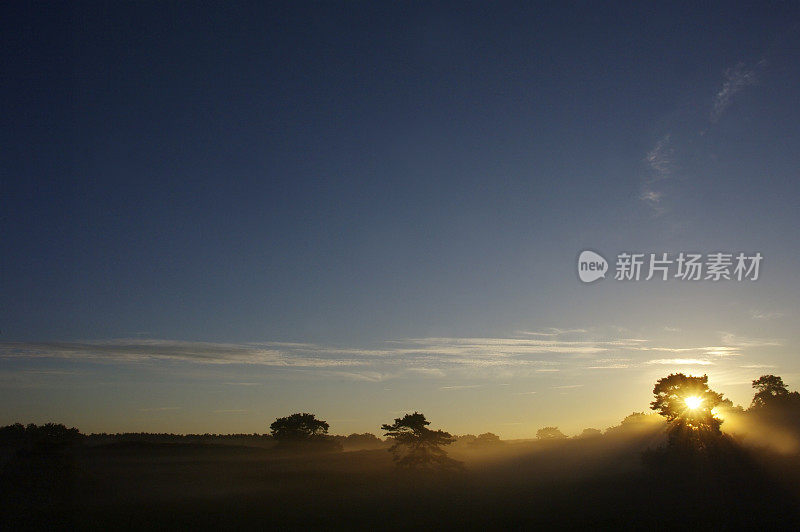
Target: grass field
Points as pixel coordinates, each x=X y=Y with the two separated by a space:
x=576 y=483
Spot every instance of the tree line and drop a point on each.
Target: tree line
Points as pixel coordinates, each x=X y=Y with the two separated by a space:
x=693 y=413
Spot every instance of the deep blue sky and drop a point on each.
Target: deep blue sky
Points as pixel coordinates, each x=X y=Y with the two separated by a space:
x=347 y=174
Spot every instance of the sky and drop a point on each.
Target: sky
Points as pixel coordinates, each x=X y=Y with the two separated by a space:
x=215 y=215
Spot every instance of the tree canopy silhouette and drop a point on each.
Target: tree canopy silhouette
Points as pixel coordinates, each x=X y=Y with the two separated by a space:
x=774 y=402
x=486 y=439
x=550 y=433
x=50 y=435
x=591 y=433
x=418 y=447
x=365 y=440
x=298 y=427
x=770 y=388
x=301 y=429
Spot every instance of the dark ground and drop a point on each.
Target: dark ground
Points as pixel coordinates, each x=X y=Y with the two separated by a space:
x=569 y=484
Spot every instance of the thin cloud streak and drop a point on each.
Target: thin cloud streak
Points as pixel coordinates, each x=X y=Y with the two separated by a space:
x=680 y=362
x=659 y=162
x=435 y=357
x=758 y=315
x=736 y=80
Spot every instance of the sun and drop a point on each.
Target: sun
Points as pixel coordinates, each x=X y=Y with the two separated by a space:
x=693 y=403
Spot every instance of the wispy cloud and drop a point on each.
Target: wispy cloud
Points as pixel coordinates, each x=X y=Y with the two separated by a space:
x=737 y=79
x=364 y=375
x=160 y=409
x=426 y=372
x=731 y=339
x=660 y=159
x=651 y=196
x=530 y=354
x=553 y=331
x=140 y=350
x=660 y=165
x=461 y=387
x=680 y=362
x=762 y=315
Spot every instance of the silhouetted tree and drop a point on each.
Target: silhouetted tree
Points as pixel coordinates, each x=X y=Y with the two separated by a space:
x=550 y=433
x=769 y=387
x=37 y=475
x=687 y=403
x=487 y=439
x=13 y=435
x=49 y=435
x=590 y=433
x=634 y=418
x=301 y=430
x=298 y=427
x=418 y=447
x=636 y=423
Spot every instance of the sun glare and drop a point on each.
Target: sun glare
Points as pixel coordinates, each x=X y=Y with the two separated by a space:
x=693 y=402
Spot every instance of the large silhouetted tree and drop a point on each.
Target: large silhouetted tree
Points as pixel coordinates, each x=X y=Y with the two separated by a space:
x=415 y=446
x=687 y=403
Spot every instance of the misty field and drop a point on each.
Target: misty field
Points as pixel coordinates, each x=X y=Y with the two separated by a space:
x=673 y=469
x=598 y=481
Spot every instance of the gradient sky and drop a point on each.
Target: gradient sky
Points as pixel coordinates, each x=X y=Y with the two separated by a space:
x=216 y=215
